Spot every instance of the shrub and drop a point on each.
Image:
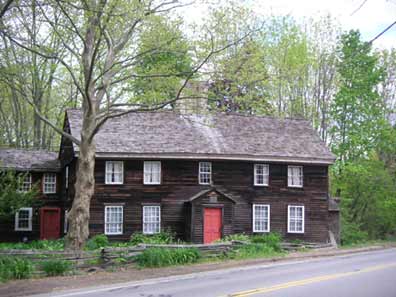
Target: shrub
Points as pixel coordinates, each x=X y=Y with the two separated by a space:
x=254 y=250
x=159 y=257
x=49 y=245
x=164 y=237
x=351 y=234
x=236 y=237
x=97 y=242
x=15 y=268
x=272 y=240
x=56 y=267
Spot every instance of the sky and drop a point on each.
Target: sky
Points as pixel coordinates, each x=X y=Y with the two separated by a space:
x=373 y=16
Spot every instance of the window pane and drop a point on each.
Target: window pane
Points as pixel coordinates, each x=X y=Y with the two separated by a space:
x=152 y=172
x=151 y=219
x=113 y=219
x=205 y=172
x=261 y=218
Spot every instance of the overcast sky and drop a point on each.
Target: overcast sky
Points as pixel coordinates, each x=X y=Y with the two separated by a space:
x=373 y=17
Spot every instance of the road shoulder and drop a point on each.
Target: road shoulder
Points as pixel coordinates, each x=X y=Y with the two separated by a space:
x=130 y=274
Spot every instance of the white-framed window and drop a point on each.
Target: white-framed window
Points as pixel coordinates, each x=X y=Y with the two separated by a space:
x=114 y=172
x=114 y=219
x=295 y=219
x=295 y=176
x=261 y=174
x=152 y=172
x=49 y=183
x=65 y=223
x=23 y=219
x=205 y=173
x=151 y=219
x=261 y=218
x=67 y=177
x=26 y=183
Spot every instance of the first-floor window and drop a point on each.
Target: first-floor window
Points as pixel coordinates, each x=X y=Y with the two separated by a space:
x=151 y=219
x=114 y=219
x=261 y=218
x=23 y=219
x=295 y=215
x=49 y=183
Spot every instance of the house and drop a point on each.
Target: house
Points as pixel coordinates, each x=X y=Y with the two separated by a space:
x=41 y=170
x=203 y=176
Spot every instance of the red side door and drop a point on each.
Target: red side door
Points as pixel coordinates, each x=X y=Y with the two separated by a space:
x=212 y=224
x=49 y=223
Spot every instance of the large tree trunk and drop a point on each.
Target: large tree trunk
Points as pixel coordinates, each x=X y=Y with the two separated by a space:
x=84 y=189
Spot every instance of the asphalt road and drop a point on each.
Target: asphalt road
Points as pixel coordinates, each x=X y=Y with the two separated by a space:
x=370 y=274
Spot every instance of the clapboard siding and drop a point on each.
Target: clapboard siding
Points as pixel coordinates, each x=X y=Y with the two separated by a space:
x=180 y=183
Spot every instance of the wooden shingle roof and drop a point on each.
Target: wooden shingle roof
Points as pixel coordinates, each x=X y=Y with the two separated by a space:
x=29 y=160
x=168 y=134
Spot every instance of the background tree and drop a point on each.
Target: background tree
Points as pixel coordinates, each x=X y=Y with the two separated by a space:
x=357 y=111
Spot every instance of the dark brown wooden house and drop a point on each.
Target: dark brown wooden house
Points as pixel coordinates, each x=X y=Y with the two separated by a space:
x=204 y=176
x=41 y=170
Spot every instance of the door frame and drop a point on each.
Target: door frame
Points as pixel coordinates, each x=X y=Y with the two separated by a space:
x=42 y=211
x=221 y=206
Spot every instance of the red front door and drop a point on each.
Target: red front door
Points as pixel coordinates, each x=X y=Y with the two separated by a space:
x=49 y=223
x=212 y=224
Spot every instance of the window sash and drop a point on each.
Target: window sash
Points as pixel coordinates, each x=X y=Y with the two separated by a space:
x=23 y=219
x=114 y=220
x=205 y=173
x=296 y=219
x=151 y=219
x=152 y=172
x=114 y=172
x=295 y=176
x=261 y=218
x=49 y=183
x=261 y=174
x=26 y=183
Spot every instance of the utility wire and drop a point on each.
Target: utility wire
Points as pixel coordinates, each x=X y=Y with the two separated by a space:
x=385 y=30
x=357 y=9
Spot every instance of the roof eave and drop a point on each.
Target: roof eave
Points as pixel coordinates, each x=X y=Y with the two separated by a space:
x=190 y=156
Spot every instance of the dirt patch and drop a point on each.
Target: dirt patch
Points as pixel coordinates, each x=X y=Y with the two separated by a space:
x=128 y=274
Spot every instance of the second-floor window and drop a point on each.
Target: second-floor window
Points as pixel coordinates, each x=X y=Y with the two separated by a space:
x=26 y=183
x=295 y=176
x=152 y=172
x=114 y=172
x=261 y=174
x=49 y=183
x=205 y=173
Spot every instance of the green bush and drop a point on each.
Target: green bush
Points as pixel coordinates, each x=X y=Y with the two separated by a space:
x=56 y=267
x=254 y=250
x=159 y=257
x=164 y=237
x=49 y=245
x=272 y=240
x=351 y=234
x=15 y=268
x=97 y=242
x=236 y=237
